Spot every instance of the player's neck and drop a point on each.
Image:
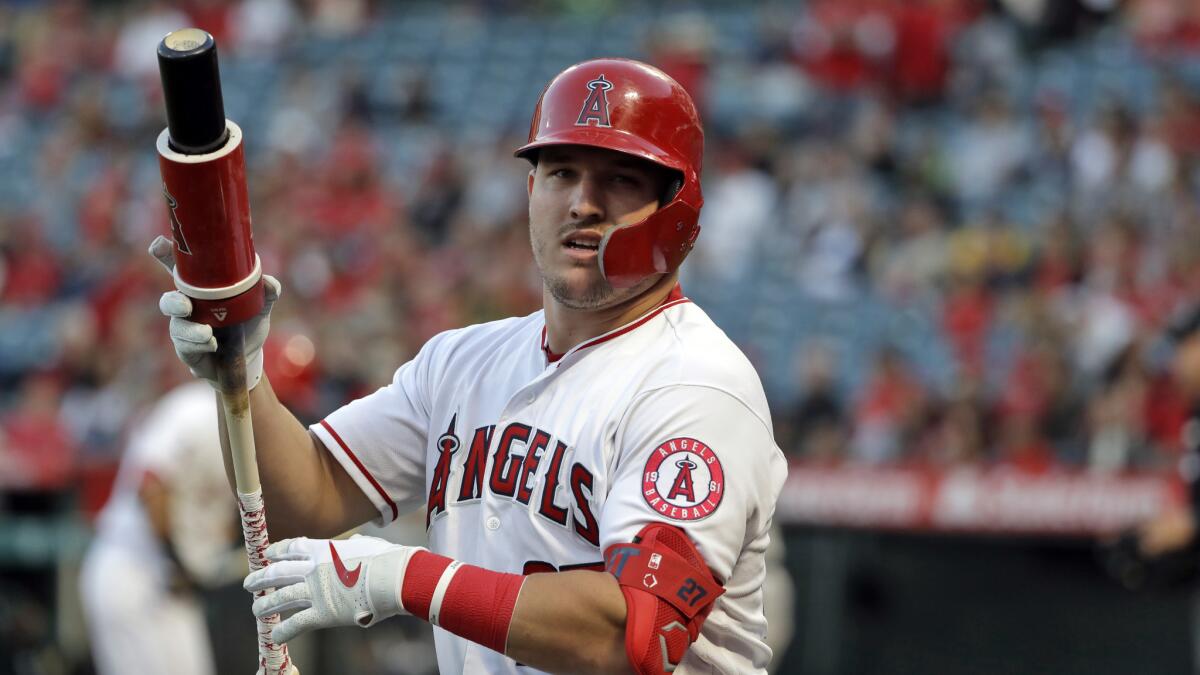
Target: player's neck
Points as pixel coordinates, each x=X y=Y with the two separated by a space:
x=566 y=327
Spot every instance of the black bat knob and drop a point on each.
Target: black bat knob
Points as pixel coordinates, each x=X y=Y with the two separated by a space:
x=187 y=63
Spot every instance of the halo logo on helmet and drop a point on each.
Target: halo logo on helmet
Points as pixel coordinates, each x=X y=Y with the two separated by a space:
x=595 y=108
x=649 y=116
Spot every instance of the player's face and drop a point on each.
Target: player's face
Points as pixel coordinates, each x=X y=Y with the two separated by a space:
x=576 y=194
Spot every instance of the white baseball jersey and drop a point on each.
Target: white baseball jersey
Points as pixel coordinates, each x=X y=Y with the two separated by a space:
x=136 y=624
x=526 y=464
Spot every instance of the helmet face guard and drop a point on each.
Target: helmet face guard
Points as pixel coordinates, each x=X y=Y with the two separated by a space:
x=630 y=107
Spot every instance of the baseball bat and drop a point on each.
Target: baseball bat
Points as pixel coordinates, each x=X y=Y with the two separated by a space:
x=202 y=162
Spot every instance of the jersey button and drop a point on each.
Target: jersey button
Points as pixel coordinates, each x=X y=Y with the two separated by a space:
x=493 y=523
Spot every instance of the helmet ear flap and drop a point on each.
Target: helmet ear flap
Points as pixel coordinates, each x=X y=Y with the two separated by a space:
x=656 y=245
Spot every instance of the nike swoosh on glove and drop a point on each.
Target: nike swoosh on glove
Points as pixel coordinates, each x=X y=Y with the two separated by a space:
x=194 y=342
x=350 y=582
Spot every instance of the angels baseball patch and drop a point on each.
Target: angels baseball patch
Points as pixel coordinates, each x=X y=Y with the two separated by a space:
x=683 y=480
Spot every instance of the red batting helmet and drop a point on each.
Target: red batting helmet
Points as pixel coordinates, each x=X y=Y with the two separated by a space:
x=634 y=108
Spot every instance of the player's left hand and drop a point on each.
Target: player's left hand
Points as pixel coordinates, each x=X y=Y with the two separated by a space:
x=194 y=342
x=351 y=582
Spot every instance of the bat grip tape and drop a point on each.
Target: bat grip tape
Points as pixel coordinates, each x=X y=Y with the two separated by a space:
x=273 y=658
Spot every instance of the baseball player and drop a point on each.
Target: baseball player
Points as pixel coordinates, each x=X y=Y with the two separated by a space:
x=598 y=478
x=168 y=529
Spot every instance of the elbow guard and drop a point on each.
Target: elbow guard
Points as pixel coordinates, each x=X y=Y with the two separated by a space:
x=668 y=591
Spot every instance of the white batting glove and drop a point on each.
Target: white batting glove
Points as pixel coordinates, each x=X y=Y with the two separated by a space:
x=194 y=342
x=350 y=582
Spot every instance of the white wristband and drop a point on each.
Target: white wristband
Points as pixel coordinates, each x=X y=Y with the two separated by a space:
x=439 y=592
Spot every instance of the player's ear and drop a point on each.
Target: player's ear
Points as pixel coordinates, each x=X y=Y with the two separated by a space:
x=531 y=174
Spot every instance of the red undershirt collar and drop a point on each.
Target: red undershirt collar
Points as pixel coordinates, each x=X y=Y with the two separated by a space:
x=674 y=296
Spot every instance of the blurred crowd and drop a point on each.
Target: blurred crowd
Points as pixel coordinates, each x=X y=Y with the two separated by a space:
x=1015 y=180
x=1022 y=178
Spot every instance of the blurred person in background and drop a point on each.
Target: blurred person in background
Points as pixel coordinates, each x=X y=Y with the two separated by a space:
x=1166 y=549
x=817 y=429
x=959 y=431
x=167 y=532
x=741 y=207
x=889 y=410
x=1175 y=530
x=36 y=449
x=1117 y=414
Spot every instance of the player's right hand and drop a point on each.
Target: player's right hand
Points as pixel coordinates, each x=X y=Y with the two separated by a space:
x=349 y=582
x=194 y=342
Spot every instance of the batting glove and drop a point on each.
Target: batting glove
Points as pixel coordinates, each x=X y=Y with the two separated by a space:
x=194 y=342
x=350 y=582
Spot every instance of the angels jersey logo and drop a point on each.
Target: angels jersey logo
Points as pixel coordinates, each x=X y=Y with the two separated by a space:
x=595 y=108
x=683 y=480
